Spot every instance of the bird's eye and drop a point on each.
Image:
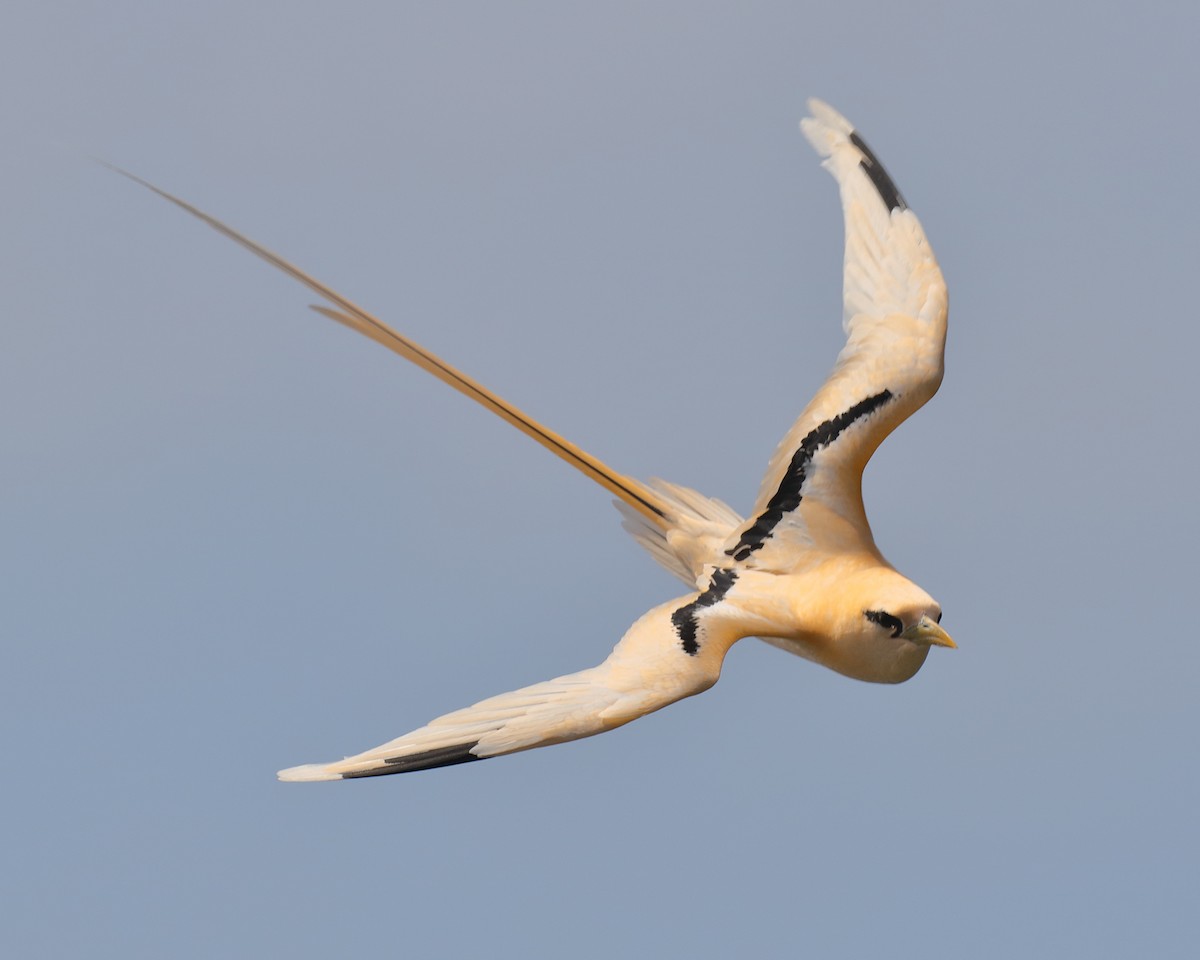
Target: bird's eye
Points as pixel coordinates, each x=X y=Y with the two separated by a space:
x=885 y=620
x=938 y=618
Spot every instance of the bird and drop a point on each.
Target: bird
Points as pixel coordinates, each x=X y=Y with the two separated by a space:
x=800 y=571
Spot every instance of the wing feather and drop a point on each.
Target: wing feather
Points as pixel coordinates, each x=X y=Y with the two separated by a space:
x=647 y=670
x=810 y=500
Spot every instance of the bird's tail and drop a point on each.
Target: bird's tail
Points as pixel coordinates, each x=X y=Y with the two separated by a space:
x=699 y=527
x=636 y=496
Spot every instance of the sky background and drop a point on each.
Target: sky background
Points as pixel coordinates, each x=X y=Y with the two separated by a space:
x=236 y=537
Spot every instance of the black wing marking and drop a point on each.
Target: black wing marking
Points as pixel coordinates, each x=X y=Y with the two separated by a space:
x=791 y=488
x=879 y=176
x=427 y=760
x=687 y=618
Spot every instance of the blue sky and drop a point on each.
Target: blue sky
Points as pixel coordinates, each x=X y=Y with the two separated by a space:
x=237 y=537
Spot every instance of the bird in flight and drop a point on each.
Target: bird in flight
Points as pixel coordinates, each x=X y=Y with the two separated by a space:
x=801 y=572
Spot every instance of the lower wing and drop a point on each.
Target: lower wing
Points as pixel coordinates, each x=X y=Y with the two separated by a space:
x=567 y=708
x=650 y=668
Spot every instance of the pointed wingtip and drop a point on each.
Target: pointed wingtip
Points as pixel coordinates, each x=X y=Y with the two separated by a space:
x=843 y=149
x=307 y=773
x=824 y=112
x=825 y=128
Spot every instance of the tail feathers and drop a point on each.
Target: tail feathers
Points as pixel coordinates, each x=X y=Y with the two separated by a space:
x=637 y=495
x=345 y=311
x=698 y=526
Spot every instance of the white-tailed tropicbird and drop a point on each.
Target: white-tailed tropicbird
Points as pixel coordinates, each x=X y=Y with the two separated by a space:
x=802 y=572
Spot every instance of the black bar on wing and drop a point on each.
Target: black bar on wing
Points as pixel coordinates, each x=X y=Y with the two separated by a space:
x=426 y=760
x=791 y=488
x=687 y=618
x=879 y=176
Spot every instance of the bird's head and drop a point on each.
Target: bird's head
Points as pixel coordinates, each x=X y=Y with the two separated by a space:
x=880 y=626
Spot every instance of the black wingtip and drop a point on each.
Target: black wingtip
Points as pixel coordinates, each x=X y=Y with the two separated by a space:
x=427 y=760
x=879 y=176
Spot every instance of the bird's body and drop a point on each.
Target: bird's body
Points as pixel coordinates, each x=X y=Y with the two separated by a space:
x=801 y=571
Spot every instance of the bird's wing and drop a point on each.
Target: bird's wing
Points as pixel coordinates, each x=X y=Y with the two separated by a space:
x=672 y=652
x=637 y=496
x=895 y=321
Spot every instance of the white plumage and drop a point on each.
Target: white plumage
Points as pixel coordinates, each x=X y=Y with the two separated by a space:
x=801 y=571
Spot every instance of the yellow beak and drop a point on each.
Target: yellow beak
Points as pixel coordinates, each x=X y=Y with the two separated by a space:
x=928 y=632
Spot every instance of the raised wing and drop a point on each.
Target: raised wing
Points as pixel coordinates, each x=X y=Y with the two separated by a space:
x=810 y=501
x=672 y=652
x=635 y=495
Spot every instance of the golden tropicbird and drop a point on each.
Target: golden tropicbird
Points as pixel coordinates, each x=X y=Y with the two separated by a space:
x=802 y=572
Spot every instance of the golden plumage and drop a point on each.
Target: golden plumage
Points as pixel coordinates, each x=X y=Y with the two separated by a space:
x=801 y=571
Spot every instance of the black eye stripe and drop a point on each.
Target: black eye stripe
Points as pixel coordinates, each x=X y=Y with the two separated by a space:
x=885 y=620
